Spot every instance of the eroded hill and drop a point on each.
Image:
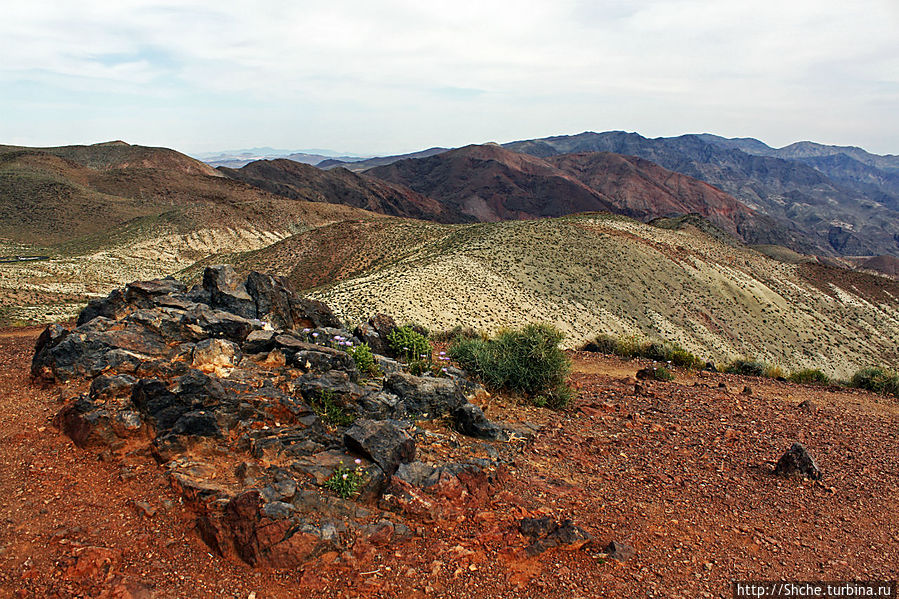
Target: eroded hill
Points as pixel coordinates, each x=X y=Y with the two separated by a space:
x=592 y=273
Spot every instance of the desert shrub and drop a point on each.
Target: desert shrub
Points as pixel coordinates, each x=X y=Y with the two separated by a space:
x=526 y=361
x=746 y=368
x=774 y=372
x=604 y=344
x=364 y=358
x=633 y=346
x=660 y=373
x=809 y=376
x=412 y=347
x=457 y=332
x=877 y=379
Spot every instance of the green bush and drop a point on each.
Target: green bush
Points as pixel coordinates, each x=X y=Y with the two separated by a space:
x=633 y=346
x=660 y=373
x=877 y=379
x=526 y=361
x=746 y=368
x=809 y=376
x=457 y=332
x=364 y=358
x=411 y=347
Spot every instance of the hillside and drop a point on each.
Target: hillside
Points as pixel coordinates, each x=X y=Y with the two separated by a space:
x=490 y=184
x=340 y=186
x=111 y=213
x=846 y=212
x=594 y=273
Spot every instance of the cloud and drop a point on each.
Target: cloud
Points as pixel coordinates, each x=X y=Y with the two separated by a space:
x=396 y=75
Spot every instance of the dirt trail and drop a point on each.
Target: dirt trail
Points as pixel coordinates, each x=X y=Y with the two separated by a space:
x=681 y=473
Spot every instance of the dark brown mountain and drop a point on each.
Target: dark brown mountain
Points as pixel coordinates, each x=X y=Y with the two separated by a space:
x=491 y=183
x=340 y=186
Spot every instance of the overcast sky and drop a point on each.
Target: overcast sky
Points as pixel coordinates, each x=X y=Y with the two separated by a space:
x=389 y=76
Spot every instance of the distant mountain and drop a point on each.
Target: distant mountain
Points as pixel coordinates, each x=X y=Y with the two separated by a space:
x=835 y=198
x=340 y=186
x=806 y=149
x=491 y=183
x=240 y=158
x=362 y=165
x=55 y=195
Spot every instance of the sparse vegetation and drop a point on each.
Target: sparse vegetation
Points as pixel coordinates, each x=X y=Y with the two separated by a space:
x=746 y=367
x=411 y=347
x=364 y=358
x=660 y=373
x=457 y=332
x=876 y=379
x=346 y=482
x=632 y=346
x=526 y=361
x=327 y=408
x=809 y=376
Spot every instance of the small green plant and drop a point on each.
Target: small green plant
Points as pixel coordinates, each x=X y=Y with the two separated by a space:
x=809 y=376
x=346 y=482
x=877 y=379
x=412 y=348
x=660 y=373
x=526 y=361
x=364 y=358
x=329 y=410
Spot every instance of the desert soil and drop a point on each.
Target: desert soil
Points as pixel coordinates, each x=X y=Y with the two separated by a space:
x=681 y=472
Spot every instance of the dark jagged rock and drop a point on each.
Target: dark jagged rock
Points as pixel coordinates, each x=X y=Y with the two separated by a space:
x=425 y=395
x=383 y=442
x=797 y=461
x=545 y=533
x=470 y=420
x=228 y=291
x=241 y=390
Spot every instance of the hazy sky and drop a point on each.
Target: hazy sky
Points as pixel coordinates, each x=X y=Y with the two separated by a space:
x=386 y=76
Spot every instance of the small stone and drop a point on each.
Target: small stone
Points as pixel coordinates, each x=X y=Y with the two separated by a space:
x=620 y=551
x=798 y=462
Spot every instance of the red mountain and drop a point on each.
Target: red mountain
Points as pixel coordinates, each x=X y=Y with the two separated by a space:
x=340 y=186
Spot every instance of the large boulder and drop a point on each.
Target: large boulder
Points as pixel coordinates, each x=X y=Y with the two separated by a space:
x=426 y=396
x=383 y=442
x=227 y=291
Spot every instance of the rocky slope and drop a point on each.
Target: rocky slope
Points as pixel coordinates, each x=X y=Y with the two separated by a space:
x=680 y=473
x=842 y=217
x=595 y=273
x=249 y=398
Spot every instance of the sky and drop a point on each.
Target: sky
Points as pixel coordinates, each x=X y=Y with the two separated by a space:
x=393 y=76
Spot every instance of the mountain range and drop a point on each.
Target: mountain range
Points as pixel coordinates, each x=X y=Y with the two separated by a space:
x=481 y=235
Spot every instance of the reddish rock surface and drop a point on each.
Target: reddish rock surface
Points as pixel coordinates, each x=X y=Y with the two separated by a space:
x=681 y=473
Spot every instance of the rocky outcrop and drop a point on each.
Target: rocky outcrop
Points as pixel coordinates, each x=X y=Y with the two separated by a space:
x=243 y=392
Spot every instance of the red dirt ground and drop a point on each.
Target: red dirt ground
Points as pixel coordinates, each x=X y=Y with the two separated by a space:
x=681 y=473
